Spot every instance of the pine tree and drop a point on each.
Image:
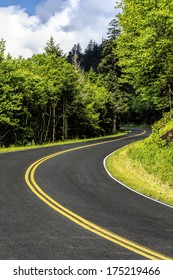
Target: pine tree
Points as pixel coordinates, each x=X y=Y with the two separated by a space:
x=75 y=56
x=110 y=70
x=92 y=56
x=52 y=48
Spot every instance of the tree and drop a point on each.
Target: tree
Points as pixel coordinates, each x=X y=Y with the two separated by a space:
x=34 y=99
x=10 y=101
x=109 y=61
x=61 y=80
x=111 y=72
x=145 y=51
x=2 y=49
x=53 y=48
x=92 y=56
x=75 y=56
x=45 y=98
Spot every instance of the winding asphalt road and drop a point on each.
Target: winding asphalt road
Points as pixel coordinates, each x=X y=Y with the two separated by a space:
x=69 y=207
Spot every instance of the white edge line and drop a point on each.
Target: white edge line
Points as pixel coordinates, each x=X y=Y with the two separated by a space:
x=104 y=164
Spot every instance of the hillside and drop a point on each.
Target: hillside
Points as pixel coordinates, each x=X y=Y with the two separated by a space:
x=156 y=152
x=147 y=165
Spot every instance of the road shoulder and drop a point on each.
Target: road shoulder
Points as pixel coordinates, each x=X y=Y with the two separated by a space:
x=132 y=174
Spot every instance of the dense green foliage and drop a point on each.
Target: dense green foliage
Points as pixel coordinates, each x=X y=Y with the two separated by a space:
x=127 y=78
x=145 y=52
x=145 y=56
x=45 y=98
x=101 y=64
x=156 y=152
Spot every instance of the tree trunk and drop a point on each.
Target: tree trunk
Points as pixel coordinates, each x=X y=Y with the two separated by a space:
x=43 y=128
x=53 y=122
x=48 y=125
x=114 y=123
x=65 y=120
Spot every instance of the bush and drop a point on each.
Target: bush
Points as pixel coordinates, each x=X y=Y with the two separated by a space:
x=156 y=153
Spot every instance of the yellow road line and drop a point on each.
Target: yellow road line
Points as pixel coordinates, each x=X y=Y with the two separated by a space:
x=132 y=246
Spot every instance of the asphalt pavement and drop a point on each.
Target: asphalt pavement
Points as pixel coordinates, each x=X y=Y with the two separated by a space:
x=31 y=229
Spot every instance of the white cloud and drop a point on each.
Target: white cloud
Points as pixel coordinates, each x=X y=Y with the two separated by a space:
x=68 y=21
x=49 y=8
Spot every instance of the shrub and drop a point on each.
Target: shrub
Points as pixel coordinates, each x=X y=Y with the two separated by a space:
x=156 y=152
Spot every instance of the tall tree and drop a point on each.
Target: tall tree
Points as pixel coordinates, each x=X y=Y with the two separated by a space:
x=92 y=56
x=110 y=70
x=61 y=80
x=11 y=100
x=145 y=51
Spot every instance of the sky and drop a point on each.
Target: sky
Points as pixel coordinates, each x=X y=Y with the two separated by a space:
x=27 y=25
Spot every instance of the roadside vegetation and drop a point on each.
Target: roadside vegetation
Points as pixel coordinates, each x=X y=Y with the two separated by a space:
x=156 y=152
x=14 y=148
x=147 y=166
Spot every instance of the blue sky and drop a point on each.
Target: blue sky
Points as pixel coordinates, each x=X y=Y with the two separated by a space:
x=29 y=5
x=27 y=25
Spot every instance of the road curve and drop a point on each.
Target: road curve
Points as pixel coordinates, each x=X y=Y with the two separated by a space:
x=121 y=223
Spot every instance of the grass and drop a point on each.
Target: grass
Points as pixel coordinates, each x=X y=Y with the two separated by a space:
x=147 y=166
x=167 y=127
x=133 y=174
x=156 y=158
x=32 y=146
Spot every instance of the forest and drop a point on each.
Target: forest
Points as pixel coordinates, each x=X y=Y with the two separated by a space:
x=128 y=78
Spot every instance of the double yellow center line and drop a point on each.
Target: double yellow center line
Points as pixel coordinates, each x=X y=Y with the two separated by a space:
x=132 y=246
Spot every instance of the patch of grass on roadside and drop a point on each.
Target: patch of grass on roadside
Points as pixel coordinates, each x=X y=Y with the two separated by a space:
x=133 y=174
x=156 y=158
x=147 y=166
x=21 y=148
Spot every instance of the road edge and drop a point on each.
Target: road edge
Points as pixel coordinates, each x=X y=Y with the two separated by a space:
x=127 y=187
